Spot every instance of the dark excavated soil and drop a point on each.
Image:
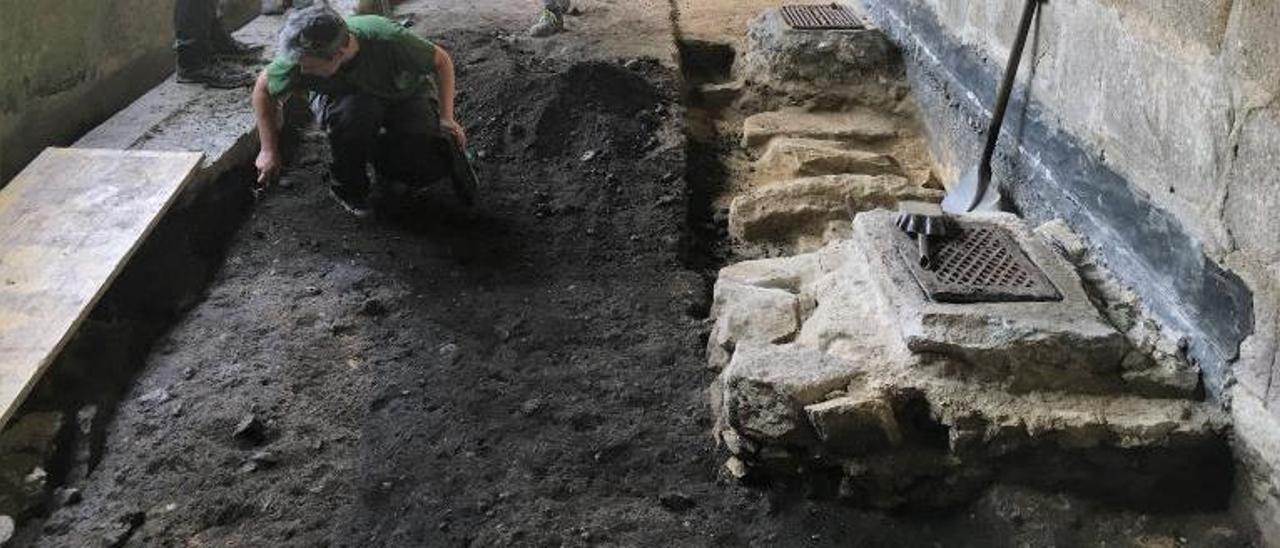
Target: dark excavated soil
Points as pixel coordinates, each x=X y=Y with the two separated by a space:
x=525 y=374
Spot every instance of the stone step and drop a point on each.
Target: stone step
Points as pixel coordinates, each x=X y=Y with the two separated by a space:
x=783 y=212
x=861 y=125
x=790 y=158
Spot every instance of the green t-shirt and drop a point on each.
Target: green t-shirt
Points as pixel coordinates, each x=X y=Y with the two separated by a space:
x=392 y=63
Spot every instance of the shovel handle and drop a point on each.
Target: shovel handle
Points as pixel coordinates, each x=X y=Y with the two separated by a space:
x=1002 y=101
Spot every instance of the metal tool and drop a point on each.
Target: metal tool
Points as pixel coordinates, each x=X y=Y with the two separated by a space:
x=974 y=190
x=927 y=223
x=463 y=175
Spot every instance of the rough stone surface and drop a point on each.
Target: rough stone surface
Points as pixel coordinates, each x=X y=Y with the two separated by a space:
x=795 y=158
x=765 y=389
x=903 y=427
x=855 y=126
x=803 y=207
x=855 y=425
x=778 y=54
x=1061 y=345
x=1156 y=363
x=750 y=313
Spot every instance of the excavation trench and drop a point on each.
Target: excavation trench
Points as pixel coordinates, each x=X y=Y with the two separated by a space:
x=531 y=372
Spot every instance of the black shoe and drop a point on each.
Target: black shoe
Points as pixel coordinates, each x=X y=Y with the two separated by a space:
x=236 y=50
x=216 y=76
x=356 y=205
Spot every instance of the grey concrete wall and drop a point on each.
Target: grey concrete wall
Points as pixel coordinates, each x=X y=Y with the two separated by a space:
x=67 y=65
x=1153 y=127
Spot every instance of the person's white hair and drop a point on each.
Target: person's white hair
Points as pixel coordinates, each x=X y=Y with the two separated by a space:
x=316 y=31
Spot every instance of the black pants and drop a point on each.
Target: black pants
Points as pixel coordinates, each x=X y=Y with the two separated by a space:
x=198 y=32
x=401 y=139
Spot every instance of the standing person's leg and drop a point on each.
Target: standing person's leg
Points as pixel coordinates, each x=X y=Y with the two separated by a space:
x=195 y=43
x=226 y=46
x=191 y=30
x=352 y=123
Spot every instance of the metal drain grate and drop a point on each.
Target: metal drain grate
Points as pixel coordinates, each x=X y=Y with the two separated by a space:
x=820 y=17
x=981 y=263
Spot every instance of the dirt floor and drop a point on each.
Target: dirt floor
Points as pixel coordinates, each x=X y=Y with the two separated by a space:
x=528 y=373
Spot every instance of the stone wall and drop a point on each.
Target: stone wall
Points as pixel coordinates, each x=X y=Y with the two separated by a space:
x=67 y=65
x=1153 y=128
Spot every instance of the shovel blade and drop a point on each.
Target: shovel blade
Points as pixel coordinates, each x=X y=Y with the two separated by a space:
x=960 y=198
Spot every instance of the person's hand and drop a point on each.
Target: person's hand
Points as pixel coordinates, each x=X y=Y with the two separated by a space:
x=268 y=164
x=454 y=128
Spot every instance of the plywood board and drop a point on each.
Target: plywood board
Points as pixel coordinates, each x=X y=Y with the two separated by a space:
x=68 y=224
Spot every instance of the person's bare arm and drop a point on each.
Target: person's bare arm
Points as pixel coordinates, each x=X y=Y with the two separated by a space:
x=268 y=115
x=446 y=85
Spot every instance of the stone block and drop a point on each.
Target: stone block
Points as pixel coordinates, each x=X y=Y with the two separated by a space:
x=1025 y=346
x=749 y=314
x=855 y=425
x=775 y=53
x=789 y=273
x=766 y=388
x=794 y=158
x=785 y=211
x=863 y=126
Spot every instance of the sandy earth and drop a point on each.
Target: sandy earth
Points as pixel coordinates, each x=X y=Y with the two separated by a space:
x=527 y=373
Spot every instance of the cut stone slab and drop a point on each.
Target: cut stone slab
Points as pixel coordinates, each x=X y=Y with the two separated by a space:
x=861 y=125
x=789 y=158
x=776 y=53
x=803 y=207
x=1062 y=345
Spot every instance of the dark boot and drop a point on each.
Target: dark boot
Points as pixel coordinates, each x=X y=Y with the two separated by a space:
x=216 y=75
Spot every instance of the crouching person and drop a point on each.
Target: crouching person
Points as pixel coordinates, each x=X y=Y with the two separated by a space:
x=383 y=95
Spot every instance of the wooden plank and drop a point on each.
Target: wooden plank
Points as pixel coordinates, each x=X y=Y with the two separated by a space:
x=68 y=224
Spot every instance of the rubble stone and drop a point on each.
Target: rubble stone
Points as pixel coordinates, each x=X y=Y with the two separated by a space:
x=767 y=387
x=789 y=158
x=855 y=425
x=745 y=312
x=783 y=212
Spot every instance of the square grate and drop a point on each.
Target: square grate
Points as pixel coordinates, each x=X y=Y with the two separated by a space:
x=820 y=17
x=978 y=263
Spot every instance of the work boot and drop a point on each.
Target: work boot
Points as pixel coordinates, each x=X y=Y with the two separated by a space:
x=548 y=23
x=356 y=204
x=274 y=7
x=216 y=75
x=235 y=50
x=561 y=7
